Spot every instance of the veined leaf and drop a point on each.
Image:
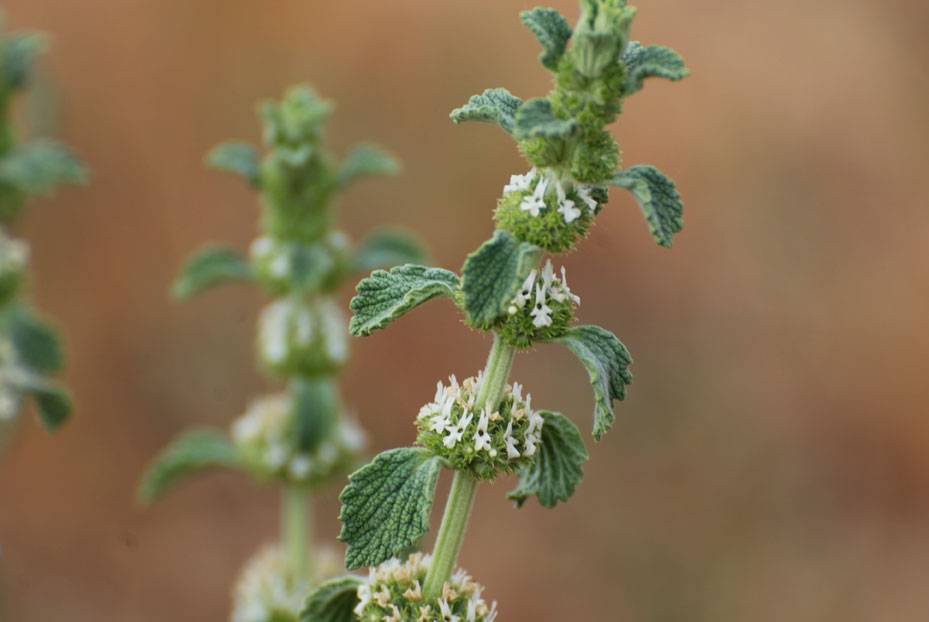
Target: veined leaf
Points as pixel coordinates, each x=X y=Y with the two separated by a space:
x=492 y=275
x=210 y=267
x=653 y=61
x=558 y=468
x=40 y=166
x=365 y=160
x=386 y=249
x=236 y=157
x=536 y=119
x=552 y=30
x=333 y=601
x=607 y=362
x=385 y=296
x=386 y=505
x=658 y=197
x=492 y=106
x=191 y=453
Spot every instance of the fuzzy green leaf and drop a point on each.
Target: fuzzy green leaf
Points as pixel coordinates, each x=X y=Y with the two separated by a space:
x=365 y=160
x=40 y=166
x=658 y=197
x=492 y=106
x=236 y=157
x=386 y=505
x=552 y=31
x=558 y=468
x=386 y=249
x=35 y=342
x=191 y=453
x=333 y=601
x=19 y=54
x=385 y=296
x=607 y=362
x=492 y=275
x=536 y=119
x=209 y=267
x=653 y=61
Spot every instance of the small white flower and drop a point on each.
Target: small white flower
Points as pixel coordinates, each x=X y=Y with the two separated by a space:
x=541 y=312
x=525 y=292
x=300 y=466
x=481 y=438
x=276 y=456
x=517 y=392
x=568 y=211
x=446 y=612
x=454 y=435
x=520 y=183
x=567 y=290
x=511 y=452
x=262 y=247
x=535 y=202
x=279 y=266
x=583 y=192
x=529 y=445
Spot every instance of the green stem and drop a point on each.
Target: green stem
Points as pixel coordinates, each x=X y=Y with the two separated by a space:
x=295 y=529
x=461 y=496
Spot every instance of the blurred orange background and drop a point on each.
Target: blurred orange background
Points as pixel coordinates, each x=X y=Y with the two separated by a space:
x=771 y=461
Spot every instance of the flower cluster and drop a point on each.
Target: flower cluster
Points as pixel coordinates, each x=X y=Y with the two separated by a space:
x=283 y=265
x=14 y=255
x=393 y=593
x=548 y=210
x=304 y=336
x=543 y=309
x=10 y=396
x=482 y=442
x=267 y=590
x=265 y=437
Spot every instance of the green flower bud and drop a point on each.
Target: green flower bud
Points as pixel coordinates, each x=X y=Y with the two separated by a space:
x=393 y=593
x=542 y=310
x=303 y=336
x=14 y=255
x=482 y=442
x=601 y=35
x=283 y=266
x=267 y=590
x=541 y=209
x=266 y=438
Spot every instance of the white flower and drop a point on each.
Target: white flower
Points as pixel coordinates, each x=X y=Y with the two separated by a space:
x=525 y=292
x=276 y=456
x=583 y=192
x=564 y=291
x=520 y=183
x=568 y=211
x=511 y=452
x=454 y=435
x=481 y=438
x=364 y=596
x=529 y=445
x=446 y=611
x=541 y=312
x=535 y=202
x=279 y=266
x=300 y=466
x=517 y=392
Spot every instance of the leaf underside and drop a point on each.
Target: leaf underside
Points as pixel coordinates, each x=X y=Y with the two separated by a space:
x=652 y=61
x=658 y=198
x=187 y=455
x=552 y=30
x=492 y=106
x=333 y=601
x=210 y=267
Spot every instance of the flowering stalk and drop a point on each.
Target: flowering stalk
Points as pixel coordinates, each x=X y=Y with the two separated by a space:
x=483 y=427
x=30 y=353
x=299 y=439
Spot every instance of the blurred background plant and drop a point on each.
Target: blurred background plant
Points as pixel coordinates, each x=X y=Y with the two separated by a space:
x=772 y=461
x=300 y=439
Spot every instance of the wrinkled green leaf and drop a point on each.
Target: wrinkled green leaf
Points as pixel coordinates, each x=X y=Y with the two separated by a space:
x=209 y=267
x=386 y=249
x=191 y=453
x=492 y=275
x=653 y=61
x=365 y=160
x=236 y=157
x=316 y=408
x=386 y=505
x=658 y=197
x=333 y=601
x=19 y=54
x=558 y=468
x=607 y=362
x=40 y=166
x=536 y=119
x=492 y=106
x=385 y=296
x=552 y=31
x=35 y=342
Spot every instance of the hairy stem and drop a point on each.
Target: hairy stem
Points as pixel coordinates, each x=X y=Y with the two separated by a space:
x=461 y=496
x=295 y=529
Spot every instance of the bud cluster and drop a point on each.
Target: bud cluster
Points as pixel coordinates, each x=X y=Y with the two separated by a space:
x=268 y=590
x=302 y=335
x=281 y=265
x=543 y=309
x=393 y=593
x=475 y=439
x=265 y=436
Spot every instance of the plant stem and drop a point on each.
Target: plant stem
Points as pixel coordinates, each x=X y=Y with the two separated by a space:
x=295 y=529
x=461 y=496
